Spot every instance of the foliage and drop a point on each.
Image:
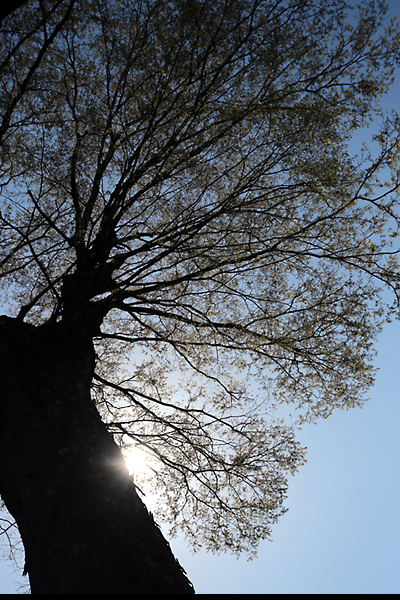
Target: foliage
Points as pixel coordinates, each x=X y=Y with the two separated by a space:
x=181 y=173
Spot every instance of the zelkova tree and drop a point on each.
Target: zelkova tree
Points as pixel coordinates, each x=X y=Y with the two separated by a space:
x=187 y=241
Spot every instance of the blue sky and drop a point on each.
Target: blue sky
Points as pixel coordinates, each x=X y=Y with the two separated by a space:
x=342 y=531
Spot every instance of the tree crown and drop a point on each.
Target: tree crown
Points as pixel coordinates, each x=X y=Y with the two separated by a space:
x=177 y=182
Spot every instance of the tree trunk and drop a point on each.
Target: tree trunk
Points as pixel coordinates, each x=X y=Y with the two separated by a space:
x=8 y=6
x=64 y=480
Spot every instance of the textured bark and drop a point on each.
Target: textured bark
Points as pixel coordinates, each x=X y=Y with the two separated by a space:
x=63 y=478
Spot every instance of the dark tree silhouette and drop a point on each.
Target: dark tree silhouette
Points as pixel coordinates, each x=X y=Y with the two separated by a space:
x=186 y=242
x=8 y=6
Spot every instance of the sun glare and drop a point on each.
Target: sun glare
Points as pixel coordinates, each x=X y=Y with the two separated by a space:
x=136 y=462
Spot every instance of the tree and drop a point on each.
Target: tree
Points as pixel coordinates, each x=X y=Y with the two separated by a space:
x=186 y=242
x=7 y=7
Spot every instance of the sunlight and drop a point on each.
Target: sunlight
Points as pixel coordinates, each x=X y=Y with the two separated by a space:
x=136 y=461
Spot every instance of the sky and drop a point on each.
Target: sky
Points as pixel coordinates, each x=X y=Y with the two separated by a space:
x=341 y=533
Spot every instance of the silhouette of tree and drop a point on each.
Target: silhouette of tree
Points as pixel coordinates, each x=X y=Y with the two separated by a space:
x=186 y=242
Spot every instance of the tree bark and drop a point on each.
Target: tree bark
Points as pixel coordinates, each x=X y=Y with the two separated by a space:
x=63 y=478
x=9 y=6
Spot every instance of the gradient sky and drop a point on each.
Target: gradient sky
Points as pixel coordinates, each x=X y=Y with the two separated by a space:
x=342 y=531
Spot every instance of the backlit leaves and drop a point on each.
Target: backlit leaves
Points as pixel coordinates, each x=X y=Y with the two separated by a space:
x=184 y=173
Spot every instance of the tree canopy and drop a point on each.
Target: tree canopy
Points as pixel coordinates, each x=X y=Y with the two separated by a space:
x=179 y=178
